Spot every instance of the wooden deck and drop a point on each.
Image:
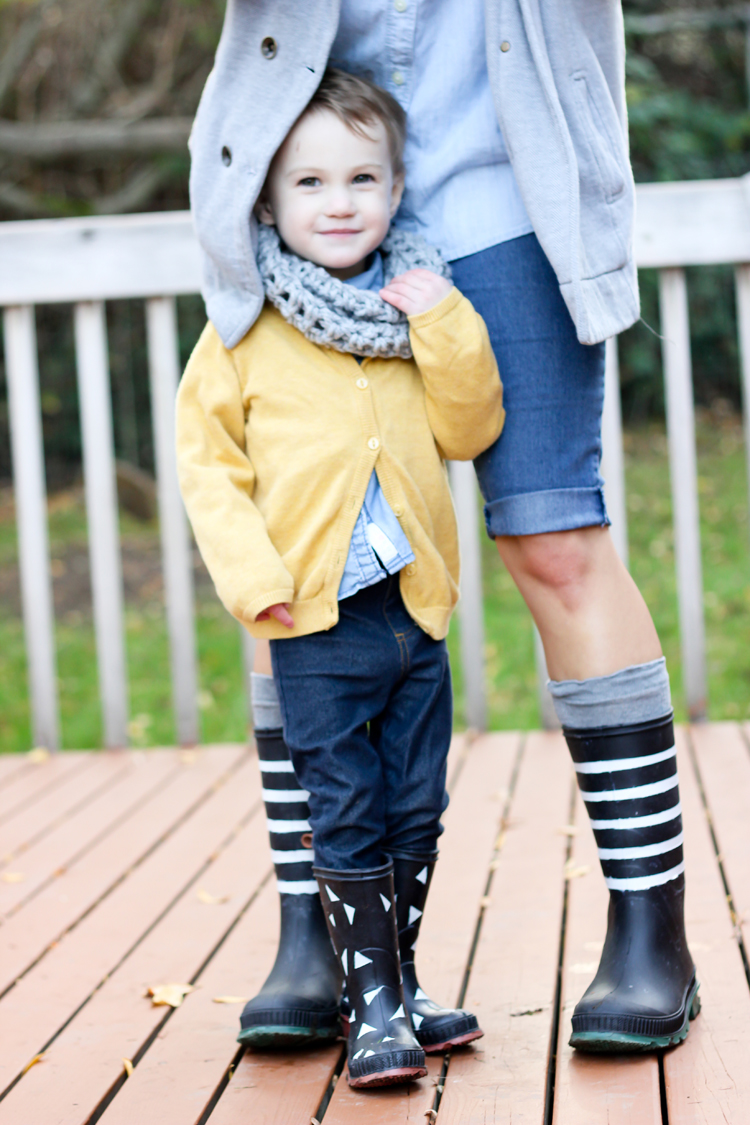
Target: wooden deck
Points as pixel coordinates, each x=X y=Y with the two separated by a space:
x=122 y=871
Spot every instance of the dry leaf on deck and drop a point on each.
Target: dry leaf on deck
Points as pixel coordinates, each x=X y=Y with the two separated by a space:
x=33 y=1062
x=567 y=830
x=38 y=754
x=171 y=994
x=127 y=1067
x=229 y=999
x=12 y=877
x=485 y=900
x=211 y=900
x=573 y=871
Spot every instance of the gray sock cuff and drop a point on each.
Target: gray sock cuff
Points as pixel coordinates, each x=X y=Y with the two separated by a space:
x=638 y=694
x=265 y=700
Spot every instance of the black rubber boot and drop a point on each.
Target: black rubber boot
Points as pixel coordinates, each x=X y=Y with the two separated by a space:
x=435 y=1027
x=645 y=991
x=382 y=1049
x=299 y=1002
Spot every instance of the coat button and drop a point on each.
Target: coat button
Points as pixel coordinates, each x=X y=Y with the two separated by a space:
x=505 y=45
x=411 y=568
x=397 y=78
x=268 y=48
x=373 y=443
x=363 y=383
x=400 y=5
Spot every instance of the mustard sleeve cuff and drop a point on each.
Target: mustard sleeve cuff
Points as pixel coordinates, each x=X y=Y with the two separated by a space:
x=438 y=311
x=263 y=601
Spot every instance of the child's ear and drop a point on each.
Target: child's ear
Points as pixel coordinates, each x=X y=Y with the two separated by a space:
x=396 y=192
x=263 y=212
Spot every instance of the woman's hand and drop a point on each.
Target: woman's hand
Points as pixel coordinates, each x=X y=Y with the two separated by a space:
x=416 y=291
x=280 y=612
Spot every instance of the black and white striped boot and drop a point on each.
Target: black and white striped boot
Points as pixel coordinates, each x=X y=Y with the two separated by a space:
x=361 y=916
x=299 y=1002
x=645 y=991
x=435 y=1027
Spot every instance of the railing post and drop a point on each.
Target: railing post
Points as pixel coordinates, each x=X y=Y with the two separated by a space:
x=248 y=658
x=163 y=357
x=684 y=480
x=101 y=512
x=471 y=606
x=613 y=461
x=27 y=448
x=742 y=280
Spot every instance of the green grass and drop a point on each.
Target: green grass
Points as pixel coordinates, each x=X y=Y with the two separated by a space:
x=511 y=678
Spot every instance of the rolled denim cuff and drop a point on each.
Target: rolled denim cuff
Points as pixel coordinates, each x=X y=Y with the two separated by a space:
x=554 y=509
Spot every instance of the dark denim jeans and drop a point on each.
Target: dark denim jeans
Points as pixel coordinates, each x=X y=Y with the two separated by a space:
x=367 y=713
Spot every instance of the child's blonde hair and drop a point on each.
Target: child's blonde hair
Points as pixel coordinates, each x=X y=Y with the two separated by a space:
x=358 y=103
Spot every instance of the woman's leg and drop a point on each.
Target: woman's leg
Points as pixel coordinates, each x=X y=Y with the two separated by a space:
x=545 y=508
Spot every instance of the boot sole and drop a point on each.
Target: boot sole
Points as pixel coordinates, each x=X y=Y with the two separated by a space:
x=456 y=1041
x=388 y=1077
x=281 y=1036
x=619 y=1042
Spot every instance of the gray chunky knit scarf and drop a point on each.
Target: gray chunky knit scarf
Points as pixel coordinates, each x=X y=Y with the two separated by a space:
x=336 y=315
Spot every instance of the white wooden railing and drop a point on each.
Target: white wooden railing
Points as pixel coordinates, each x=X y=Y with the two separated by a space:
x=155 y=257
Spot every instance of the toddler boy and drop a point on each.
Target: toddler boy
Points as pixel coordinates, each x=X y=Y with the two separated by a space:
x=311 y=461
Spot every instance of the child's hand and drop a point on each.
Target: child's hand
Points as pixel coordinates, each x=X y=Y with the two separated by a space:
x=280 y=612
x=416 y=291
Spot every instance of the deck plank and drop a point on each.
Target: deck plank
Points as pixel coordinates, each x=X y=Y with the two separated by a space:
x=45 y=998
x=515 y=965
x=118 y=1020
x=707 y=1077
x=723 y=761
x=65 y=845
x=473 y=822
x=592 y=1089
x=30 y=784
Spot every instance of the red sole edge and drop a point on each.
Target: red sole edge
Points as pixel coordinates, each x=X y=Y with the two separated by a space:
x=387 y=1077
x=436 y=1048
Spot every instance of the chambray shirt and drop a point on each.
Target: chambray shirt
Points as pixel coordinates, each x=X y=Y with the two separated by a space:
x=378 y=545
x=461 y=192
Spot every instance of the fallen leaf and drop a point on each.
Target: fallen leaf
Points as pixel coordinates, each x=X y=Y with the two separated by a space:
x=499 y=842
x=485 y=900
x=571 y=871
x=171 y=994
x=127 y=1066
x=12 y=877
x=211 y=900
x=187 y=757
x=38 y=754
x=33 y=1062
x=567 y=830
x=495 y=864
x=230 y=999
x=528 y=1012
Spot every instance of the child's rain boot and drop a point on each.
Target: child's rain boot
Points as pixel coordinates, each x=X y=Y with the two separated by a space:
x=435 y=1027
x=645 y=992
x=359 y=908
x=299 y=1002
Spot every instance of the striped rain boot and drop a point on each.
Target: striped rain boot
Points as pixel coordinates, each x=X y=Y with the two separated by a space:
x=361 y=915
x=299 y=1002
x=645 y=991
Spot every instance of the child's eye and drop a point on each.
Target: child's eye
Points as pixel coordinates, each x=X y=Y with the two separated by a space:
x=363 y=178
x=309 y=181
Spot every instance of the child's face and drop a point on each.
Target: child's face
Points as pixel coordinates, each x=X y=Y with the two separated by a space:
x=331 y=193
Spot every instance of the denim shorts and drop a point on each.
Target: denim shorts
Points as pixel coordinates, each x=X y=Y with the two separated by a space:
x=542 y=474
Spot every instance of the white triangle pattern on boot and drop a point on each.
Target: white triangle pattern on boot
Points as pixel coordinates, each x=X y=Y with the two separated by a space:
x=360 y=960
x=350 y=912
x=422 y=876
x=416 y=1019
x=359 y=1052
x=370 y=996
x=414 y=914
x=331 y=895
x=364 y=1029
x=420 y=995
x=368 y=1053
x=388 y=1039
x=386 y=902
x=344 y=962
x=399 y=1014
x=333 y=920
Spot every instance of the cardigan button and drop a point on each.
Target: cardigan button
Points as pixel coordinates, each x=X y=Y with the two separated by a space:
x=268 y=48
x=411 y=568
x=363 y=383
x=398 y=510
x=505 y=46
x=373 y=443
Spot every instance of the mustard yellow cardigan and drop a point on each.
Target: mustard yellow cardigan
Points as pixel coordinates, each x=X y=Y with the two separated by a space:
x=276 y=442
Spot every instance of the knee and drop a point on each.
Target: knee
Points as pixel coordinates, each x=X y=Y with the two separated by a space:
x=561 y=562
